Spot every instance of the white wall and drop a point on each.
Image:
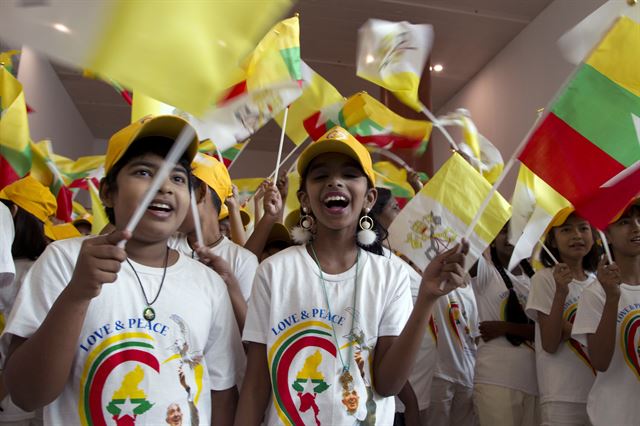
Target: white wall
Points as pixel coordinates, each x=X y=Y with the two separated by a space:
x=504 y=96
x=56 y=116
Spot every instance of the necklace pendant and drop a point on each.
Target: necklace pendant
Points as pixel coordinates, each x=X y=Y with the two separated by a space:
x=346 y=379
x=149 y=314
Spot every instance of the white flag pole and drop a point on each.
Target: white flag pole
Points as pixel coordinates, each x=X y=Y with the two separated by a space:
x=282 y=133
x=196 y=218
x=544 y=247
x=439 y=125
x=178 y=148
x=605 y=244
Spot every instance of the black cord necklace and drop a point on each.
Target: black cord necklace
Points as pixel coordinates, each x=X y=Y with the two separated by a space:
x=148 y=313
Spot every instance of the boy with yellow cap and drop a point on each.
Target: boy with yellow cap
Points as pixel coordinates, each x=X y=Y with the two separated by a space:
x=160 y=336
x=212 y=184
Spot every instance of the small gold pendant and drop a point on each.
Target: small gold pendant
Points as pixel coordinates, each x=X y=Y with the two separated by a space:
x=149 y=314
x=345 y=380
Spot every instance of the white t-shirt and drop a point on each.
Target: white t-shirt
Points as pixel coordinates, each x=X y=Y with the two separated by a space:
x=456 y=320
x=615 y=395
x=242 y=261
x=421 y=375
x=126 y=366
x=10 y=412
x=288 y=313
x=498 y=362
x=567 y=374
x=7 y=232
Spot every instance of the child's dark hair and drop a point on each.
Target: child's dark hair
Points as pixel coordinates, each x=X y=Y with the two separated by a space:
x=384 y=195
x=513 y=312
x=215 y=199
x=29 y=241
x=589 y=261
x=381 y=231
x=159 y=145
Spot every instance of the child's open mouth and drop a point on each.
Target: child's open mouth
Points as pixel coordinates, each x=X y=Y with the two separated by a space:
x=335 y=202
x=160 y=209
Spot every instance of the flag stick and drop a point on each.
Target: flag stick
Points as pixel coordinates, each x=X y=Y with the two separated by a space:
x=390 y=155
x=544 y=247
x=282 y=133
x=196 y=218
x=219 y=154
x=244 y=145
x=178 y=148
x=437 y=123
x=286 y=158
x=605 y=244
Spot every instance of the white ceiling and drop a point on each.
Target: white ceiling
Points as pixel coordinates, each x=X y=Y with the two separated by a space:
x=468 y=34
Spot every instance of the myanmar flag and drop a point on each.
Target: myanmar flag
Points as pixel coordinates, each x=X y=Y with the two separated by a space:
x=588 y=146
x=395 y=180
x=15 y=152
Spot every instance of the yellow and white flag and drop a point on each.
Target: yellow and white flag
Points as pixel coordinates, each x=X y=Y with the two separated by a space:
x=182 y=52
x=534 y=205
x=392 y=55
x=439 y=215
x=317 y=94
x=482 y=154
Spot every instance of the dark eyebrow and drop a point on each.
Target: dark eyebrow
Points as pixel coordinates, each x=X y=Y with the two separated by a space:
x=141 y=162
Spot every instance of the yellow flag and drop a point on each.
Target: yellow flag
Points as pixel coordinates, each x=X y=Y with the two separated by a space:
x=14 y=130
x=182 y=52
x=317 y=93
x=100 y=219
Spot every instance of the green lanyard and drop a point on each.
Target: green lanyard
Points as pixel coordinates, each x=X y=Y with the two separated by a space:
x=345 y=366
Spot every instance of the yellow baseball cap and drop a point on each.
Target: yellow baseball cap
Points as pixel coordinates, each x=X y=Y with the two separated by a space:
x=29 y=194
x=168 y=126
x=338 y=140
x=561 y=217
x=244 y=214
x=87 y=218
x=279 y=232
x=61 y=231
x=212 y=172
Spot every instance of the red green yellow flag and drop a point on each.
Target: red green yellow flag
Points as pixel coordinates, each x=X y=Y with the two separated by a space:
x=371 y=122
x=15 y=152
x=588 y=146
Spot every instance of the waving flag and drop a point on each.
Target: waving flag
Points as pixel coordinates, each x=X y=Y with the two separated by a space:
x=482 y=154
x=184 y=53
x=372 y=123
x=317 y=93
x=392 y=55
x=534 y=205
x=15 y=152
x=44 y=169
x=588 y=146
x=395 y=180
x=272 y=80
x=439 y=215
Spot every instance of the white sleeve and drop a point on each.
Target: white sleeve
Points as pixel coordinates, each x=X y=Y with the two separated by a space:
x=541 y=293
x=40 y=288
x=7 y=269
x=255 y=325
x=224 y=353
x=397 y=306
x=589 y=312
x=484 y=274
x=246 y=272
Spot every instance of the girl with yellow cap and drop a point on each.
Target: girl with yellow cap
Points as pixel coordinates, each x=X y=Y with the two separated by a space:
x=331 y=332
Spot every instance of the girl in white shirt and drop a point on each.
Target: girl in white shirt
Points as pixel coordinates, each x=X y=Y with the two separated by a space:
x=565 y=374
x=330 y=328
x=608 y=321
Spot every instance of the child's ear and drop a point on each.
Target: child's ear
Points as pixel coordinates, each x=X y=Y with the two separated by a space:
x=106 y=193
x=303 y=198
x=370 y=198
x=201 y=192
x=14 y=210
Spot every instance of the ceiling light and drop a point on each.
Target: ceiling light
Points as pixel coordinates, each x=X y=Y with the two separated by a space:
x=438 y=67
x=369 y=58
x=62 y=28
